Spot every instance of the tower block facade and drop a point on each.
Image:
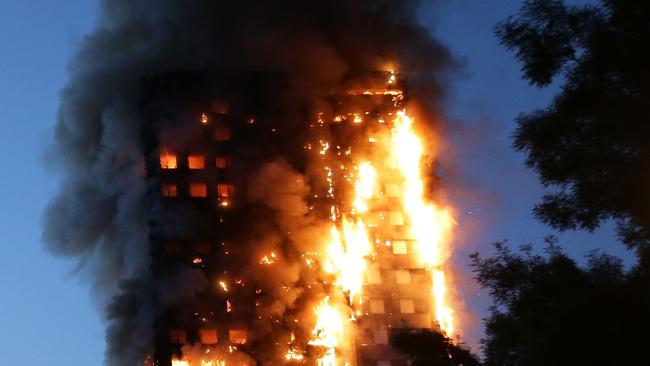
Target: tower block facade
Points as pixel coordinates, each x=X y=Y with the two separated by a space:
x=231 y=164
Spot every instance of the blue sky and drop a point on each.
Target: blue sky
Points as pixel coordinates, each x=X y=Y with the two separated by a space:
x=46 y=314
x=46 y=317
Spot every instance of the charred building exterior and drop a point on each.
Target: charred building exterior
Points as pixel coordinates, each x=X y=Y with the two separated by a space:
x=212 y=144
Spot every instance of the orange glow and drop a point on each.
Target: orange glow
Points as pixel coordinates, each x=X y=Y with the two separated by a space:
x=196 y=162
x=198 y=190
x=399 y=216
x=223 y=286
x=208 y=336
x=169 y=190
x=225 y=190
x=327 y=332
x=204 y=118
x=168 y=160
x=430 y=225
x=237 y=336
x=223 y=162
x=222 y=134
x=268 y=259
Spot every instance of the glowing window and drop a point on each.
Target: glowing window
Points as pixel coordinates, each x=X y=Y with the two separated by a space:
x=373 y=276
x=237 y=336
x=208 y=336
x=196 y=162
x=198 y=190
x=396 y=218
x=223 y=162
x=392 y=190
x=377 y=306
x=406 y=306
x=225 y=190
x=399 y=247
x=380 y=336
x=168 y=161
x=169 y=190
x=403 y=276
x=222 y=134
x=178 y=336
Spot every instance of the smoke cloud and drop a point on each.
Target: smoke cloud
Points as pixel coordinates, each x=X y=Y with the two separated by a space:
x=101 y=215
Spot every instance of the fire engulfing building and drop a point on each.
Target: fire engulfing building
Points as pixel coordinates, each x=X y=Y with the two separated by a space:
x=290 y=234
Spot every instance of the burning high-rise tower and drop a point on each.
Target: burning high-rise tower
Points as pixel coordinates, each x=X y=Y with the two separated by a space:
x=364 y=260
x=244 y=189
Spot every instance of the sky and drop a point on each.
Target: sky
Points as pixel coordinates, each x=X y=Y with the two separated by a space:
x=46 y=313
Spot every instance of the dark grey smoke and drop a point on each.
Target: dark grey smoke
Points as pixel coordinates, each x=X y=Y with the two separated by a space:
x=99 y=215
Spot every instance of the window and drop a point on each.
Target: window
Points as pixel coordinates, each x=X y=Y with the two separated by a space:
x=178 y=336
x=406 y=306
x=222 y=134
x=392 y=190
x=196 y=162
x=223 y=162
x=198 y=190
x=373 y=276
x=399 y=247
x=169 y=190
x=403 y=276
x=377 y=306
x=396 y=218
x=208 y=336
x=237 y=336
x=225 y=190
x=168 y=160
x=381 y=336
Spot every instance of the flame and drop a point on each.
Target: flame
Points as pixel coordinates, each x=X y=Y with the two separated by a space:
x=327 y=331
x=223 y=286
x=430 y=225
x=350 y=243
x=268 y=258
x=364 y=187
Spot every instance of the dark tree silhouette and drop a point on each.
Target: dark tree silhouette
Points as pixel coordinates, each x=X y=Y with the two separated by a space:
x=550 y=311
x=426 y=347
x=592 y=142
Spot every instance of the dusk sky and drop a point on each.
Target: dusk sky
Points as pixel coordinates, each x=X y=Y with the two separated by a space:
x=46 y=314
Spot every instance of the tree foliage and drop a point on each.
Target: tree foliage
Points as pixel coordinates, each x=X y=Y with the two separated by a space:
x=426 y=347
x=592 y=142
x=550 y=311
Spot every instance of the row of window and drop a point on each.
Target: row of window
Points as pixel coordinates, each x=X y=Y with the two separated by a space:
x=208 y=336
x=223 y=190
x=402 y=276
x=406 y=306
x=195 y=162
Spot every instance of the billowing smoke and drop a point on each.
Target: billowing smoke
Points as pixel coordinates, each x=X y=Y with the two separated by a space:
x=103 y=211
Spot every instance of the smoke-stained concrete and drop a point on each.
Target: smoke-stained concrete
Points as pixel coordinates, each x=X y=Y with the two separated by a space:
x=100 y=215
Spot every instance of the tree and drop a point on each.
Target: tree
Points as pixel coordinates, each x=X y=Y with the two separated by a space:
x=550 y=311
x=592 y=143
x=426 y=347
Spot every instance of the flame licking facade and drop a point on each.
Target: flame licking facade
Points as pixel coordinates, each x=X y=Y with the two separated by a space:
x=367 y=250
